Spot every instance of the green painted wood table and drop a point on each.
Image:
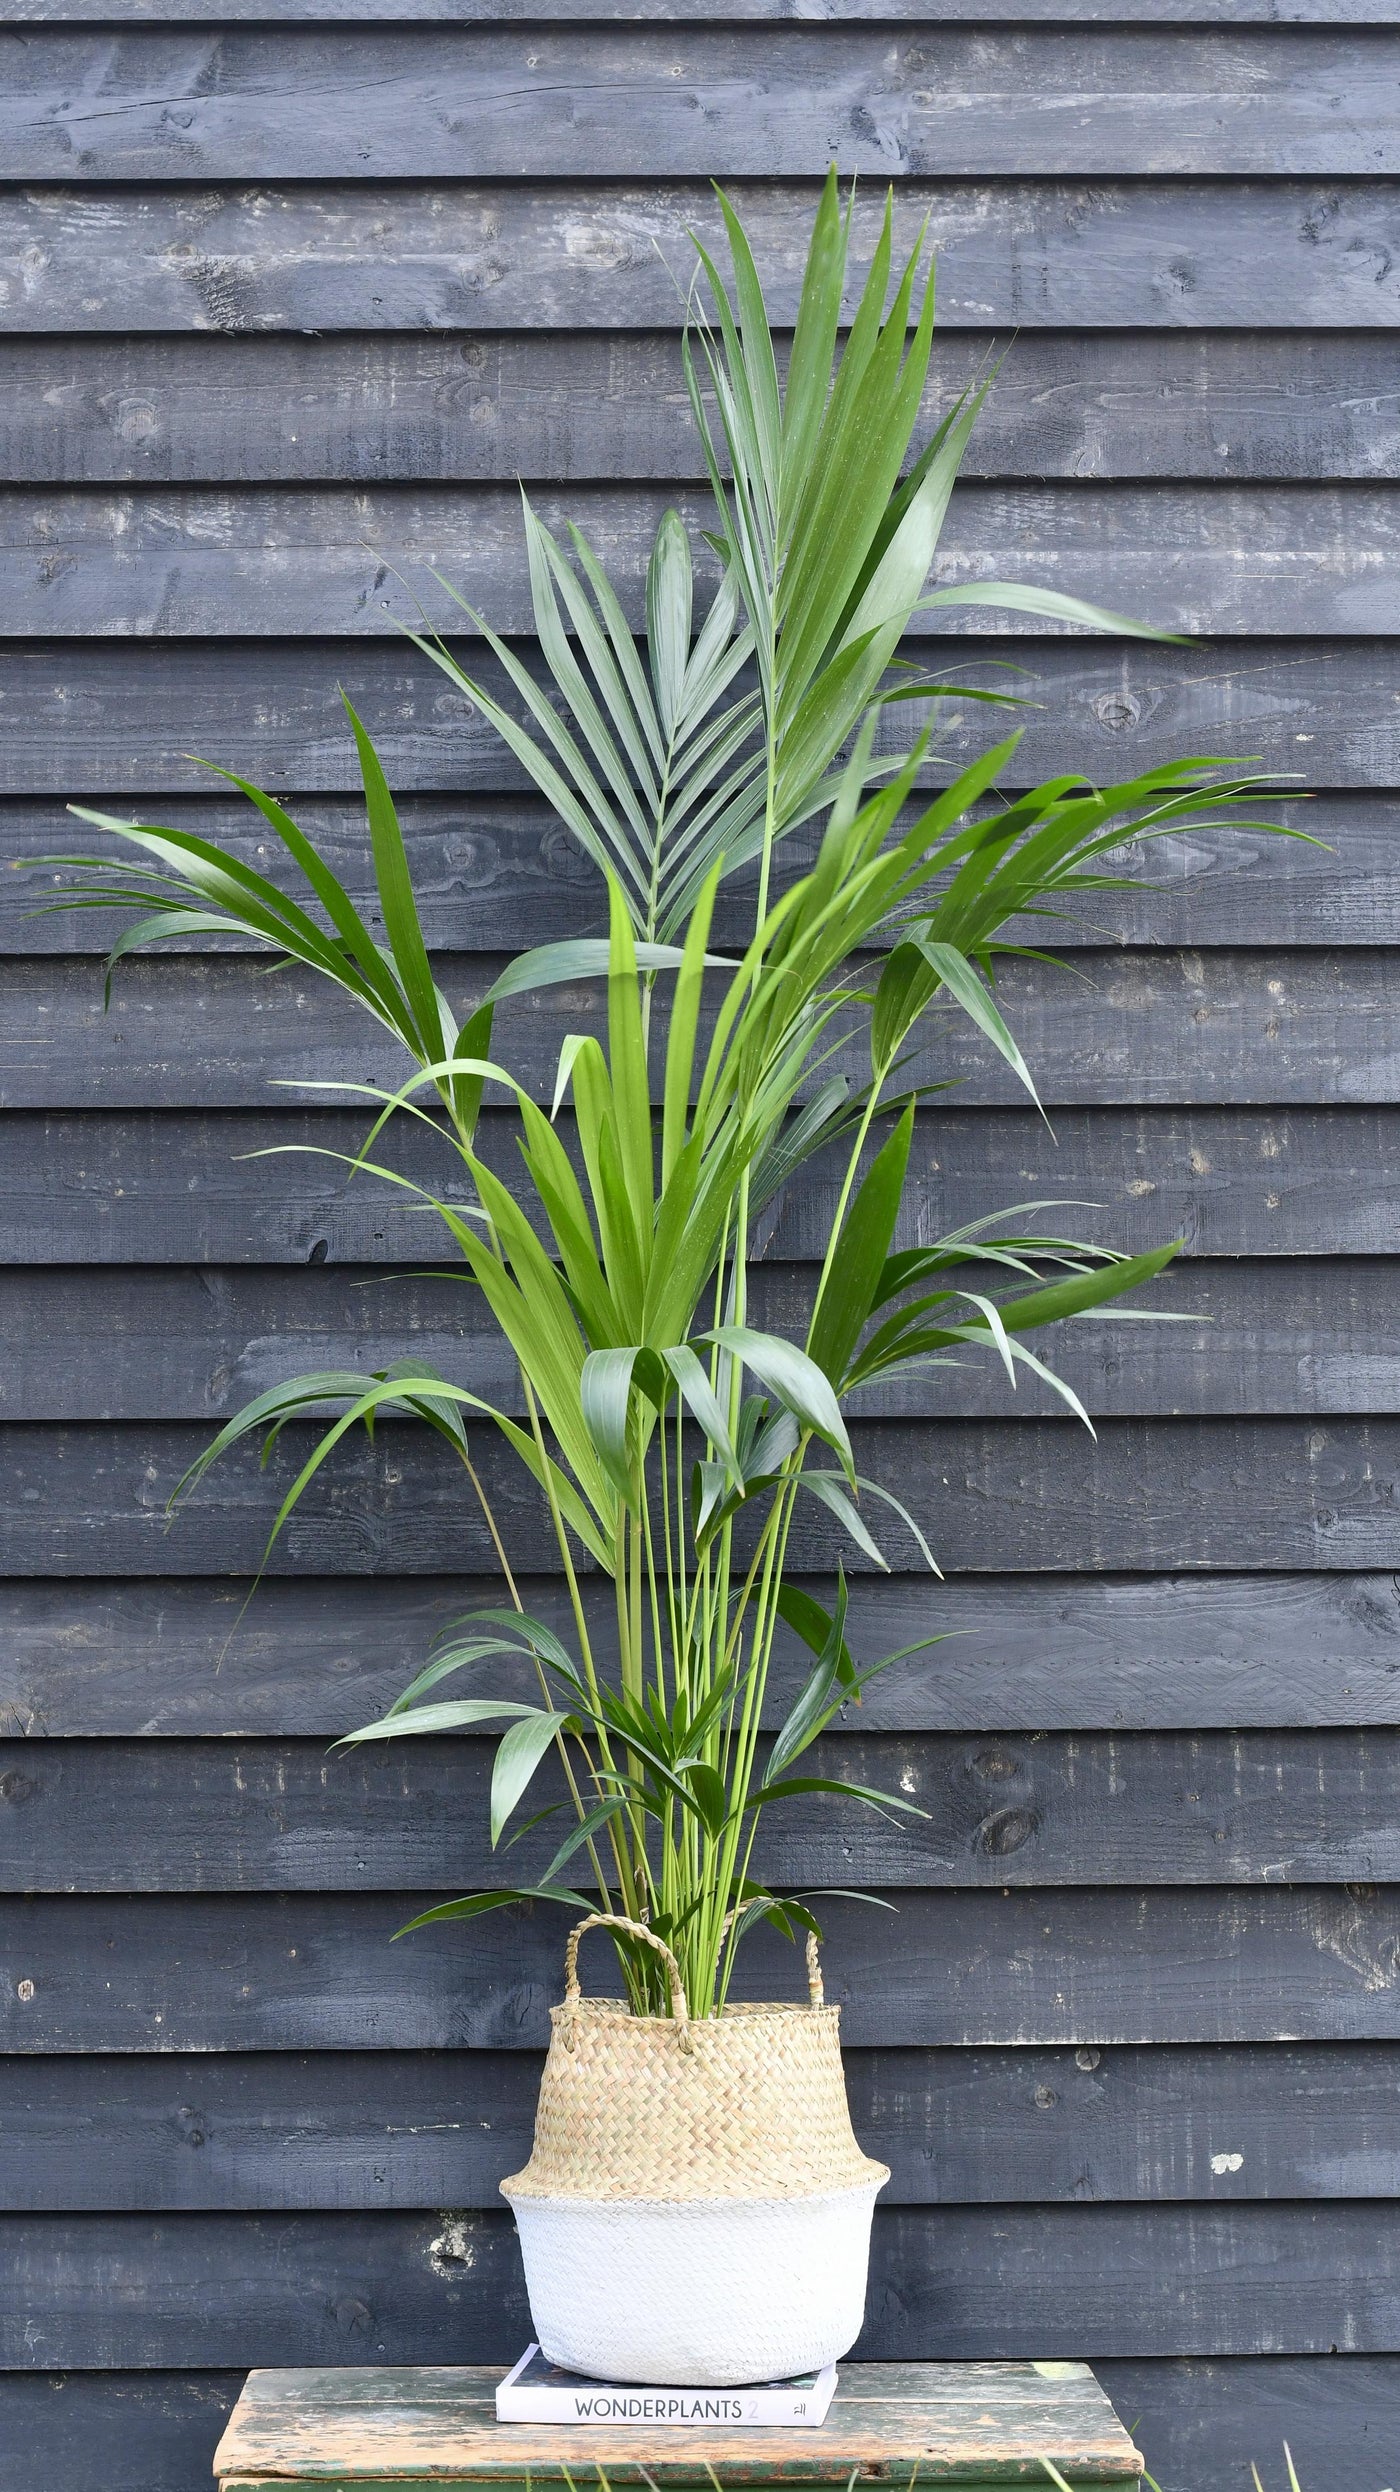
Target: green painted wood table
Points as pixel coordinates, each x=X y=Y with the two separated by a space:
x=977 y=2424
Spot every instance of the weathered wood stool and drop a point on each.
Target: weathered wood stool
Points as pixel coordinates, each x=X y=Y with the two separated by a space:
x=891 y=2423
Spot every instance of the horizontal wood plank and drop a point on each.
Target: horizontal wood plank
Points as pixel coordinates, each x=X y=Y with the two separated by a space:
x=1007 y=1495
x=712 y=100
x=95 y=2291
x=179 y=1186
x=1172 y=2280
x=341 y=2129
x=104 y=716
x=485 y=868
x=1340 y=2414
x=888 y=2422
x=157 y=2429
x=1022 y=1653
x=1147 y=1028
x=1080 y=1808
x=702 y=12
x=327 y=563
x=474 y=255
x=389 y=2288
x=1226 y=1180
x=367 y=408
x=1080 y=1966
x=1278 y=1337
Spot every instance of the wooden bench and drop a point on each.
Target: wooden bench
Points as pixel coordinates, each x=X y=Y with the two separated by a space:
x=977 y=2424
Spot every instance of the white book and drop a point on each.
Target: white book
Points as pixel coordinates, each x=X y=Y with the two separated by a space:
x=538 y=2391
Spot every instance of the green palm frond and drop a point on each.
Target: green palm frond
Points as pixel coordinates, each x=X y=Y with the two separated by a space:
x=652 y=754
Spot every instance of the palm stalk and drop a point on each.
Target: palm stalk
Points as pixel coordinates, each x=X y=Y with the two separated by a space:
x=673 y=1446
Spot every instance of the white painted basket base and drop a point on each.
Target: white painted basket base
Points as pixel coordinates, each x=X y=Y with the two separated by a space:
x=702 y=2293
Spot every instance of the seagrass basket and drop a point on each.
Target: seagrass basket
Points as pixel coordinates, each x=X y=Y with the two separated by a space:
x=696 y=2210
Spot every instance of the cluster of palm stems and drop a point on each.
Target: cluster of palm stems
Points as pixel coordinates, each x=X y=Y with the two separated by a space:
x=673 y=1444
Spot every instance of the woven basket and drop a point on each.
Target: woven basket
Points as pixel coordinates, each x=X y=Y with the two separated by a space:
x=696 y=2209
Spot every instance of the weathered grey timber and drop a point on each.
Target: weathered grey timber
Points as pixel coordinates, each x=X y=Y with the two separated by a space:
x=250 y=2130
x=292 y=291
x=1006 y=1494
x=1261 y=404
x=170 y=1343
x=500 y=256
x=179 y=1186
x=1079 y=1966
x=721 y=100
x=1152 y=1028
x=480 y=862
x=1218 y=559
x=893 y=2423
x=100 y=716
x=330 y=2287
x=688 y=12
x=1060 y=1809
x=1341 y=2414
x=146 y=1659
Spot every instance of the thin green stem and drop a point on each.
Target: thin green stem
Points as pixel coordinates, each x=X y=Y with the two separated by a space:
x=541 y=1674
x=763 y=1654
x=621 y=1861
x=843 y=1199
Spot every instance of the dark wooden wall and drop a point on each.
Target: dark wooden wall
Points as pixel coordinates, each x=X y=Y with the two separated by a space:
x=287 y=307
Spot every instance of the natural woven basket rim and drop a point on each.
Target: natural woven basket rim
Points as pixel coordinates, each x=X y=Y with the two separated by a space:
x=620 y=2012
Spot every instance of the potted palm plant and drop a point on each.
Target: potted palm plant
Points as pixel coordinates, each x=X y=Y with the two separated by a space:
x=696 y=2206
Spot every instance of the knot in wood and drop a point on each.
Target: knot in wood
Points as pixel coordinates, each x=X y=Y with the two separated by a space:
x=1004 y=1831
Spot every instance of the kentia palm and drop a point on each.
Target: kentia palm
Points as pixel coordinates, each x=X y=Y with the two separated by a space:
x=673 y=1445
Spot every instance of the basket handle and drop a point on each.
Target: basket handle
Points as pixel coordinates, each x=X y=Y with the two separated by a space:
x=816 y=1987
x=634 y=1929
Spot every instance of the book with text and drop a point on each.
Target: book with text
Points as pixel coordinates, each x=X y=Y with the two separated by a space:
x=537 y=2391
